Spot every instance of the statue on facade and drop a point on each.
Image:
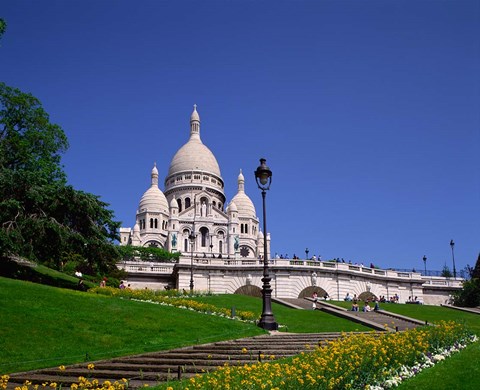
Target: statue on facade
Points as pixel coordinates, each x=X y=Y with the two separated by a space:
x=236 y=245
x=203 y=210
x=174 y=240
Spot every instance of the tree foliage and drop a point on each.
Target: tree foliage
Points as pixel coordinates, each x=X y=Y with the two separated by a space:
x=28 y=141
x=446 y=273
x=469 y=296
x=42 y=218
x=3 y=27
x=129 y=252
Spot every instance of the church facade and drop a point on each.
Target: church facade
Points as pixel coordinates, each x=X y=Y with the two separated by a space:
x=191 y=215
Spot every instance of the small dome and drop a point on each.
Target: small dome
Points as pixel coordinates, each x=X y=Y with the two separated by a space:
x=232 y=207
x=243 y=202
x=260 y=234
x=173 y=203
x=136 y=228
x=153 y=199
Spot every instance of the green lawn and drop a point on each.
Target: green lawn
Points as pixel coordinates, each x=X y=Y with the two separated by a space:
x=43 y=326
x=460 y=371
x=428 y=313
x=290 y=320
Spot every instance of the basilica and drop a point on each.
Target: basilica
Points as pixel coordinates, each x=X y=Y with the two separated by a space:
x=191 y=215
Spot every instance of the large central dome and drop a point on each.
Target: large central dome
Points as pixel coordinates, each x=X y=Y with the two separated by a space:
x=194 y=155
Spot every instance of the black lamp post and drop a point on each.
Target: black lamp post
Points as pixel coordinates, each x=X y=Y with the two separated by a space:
x=263 y=176
x=425 y=264
x=306 y=253
x=452 y=244
x=191 y=237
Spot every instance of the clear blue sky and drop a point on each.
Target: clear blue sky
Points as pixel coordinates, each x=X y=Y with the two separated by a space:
x=367 y=112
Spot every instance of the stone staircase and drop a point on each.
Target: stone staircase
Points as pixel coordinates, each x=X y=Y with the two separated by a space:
x=152 y=368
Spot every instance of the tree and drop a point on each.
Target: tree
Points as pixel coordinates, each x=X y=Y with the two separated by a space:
x=42 y=218
x=3 y=27
x=476 y=270
x=446 y=273
x=129 y=252
x=28 y=141
x=469 y=296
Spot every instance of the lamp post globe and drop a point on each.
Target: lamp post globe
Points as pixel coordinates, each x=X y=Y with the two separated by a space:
x=263 y=177
x=452 y=245
x=306 y=253
x=425 y=264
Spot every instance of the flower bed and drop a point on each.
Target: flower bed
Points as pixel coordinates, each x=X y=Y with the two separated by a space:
x=360 y=361
x=172 y=298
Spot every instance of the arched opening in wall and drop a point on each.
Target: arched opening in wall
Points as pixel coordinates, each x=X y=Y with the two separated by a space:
x=151 y=223
x=367 y=296
x=204 y=233
x=241 y=228
x=220 y=246
x=308 y=292
x=186 y=233
x=179 y=202
x=153 y=244
x=187 y=203
x=214 y=204
x=156 y=223
x=246 y=229
x=249 y=290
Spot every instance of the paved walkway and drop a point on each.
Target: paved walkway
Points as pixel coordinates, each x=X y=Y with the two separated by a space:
x=379 y=320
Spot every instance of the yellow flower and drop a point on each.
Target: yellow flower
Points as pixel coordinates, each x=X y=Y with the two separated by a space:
x=244 y=350
x=61 y=368
x=91 y=366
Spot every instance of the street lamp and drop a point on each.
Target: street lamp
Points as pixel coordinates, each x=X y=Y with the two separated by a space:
x=425 y=264
x=191 y=237
x=263 y=176
x=306 y=253
x=452 y=244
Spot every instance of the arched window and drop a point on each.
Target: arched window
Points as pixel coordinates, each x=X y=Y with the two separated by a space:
x=179 y=202
x=214 y=204
x=241 y=228
x=204 y=233
x=156 y=223
x=187 y=203
x=220 y=246
x=186 y=233
x=246 y=228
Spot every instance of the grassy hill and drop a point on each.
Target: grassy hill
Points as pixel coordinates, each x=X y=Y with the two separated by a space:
x=43 y=326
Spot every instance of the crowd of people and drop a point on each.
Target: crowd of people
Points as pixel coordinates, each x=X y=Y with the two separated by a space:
x=319 y=258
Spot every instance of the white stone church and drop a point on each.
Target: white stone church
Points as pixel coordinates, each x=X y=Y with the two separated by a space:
x=191 y=209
